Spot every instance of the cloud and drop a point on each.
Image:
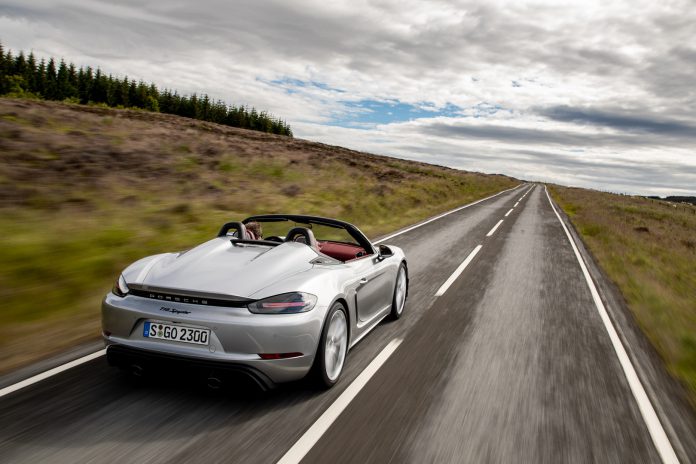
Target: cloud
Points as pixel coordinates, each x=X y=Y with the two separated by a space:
x=603 y=98
x=524 y=135
x=649 y=124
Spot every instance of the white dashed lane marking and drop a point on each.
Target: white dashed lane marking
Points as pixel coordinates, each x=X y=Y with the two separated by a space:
x=495 y=227
x=457 y=272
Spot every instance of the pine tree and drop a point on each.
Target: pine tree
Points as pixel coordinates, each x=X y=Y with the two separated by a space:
x=99 y=90
x=51 y=87
x=62 y=82
x=41 y=79
x=4 y=68
x=141 y=95
x=84 y=84
x=72 y=81
x=120 y=93
x=30 y=74
x=132 y=94
x=19 y=65
x=20 y=75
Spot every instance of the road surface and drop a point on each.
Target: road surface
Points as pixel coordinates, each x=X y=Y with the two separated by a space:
x=511 y=362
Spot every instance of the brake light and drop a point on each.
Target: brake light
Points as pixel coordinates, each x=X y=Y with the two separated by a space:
x=286 y=303
x=120 y=287
x=294 y=304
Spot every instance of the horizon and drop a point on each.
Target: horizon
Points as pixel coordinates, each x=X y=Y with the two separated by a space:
x=583 y=96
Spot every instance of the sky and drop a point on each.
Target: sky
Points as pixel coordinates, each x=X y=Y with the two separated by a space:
x=597 y=94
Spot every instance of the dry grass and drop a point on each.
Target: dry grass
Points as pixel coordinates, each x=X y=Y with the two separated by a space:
x=648 y=248
x=84 y=191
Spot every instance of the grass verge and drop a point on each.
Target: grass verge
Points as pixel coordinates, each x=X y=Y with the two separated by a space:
x=648 y=248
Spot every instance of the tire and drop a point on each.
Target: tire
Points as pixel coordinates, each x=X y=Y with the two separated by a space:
x=400 y=293
x=333 y=348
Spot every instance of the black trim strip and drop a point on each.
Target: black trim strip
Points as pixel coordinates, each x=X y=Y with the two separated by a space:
x=175 y=298
x=255 y=242
x=125 y=356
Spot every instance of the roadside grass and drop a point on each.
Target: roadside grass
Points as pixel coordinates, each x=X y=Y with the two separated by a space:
x=648 y=248
x=85 y=191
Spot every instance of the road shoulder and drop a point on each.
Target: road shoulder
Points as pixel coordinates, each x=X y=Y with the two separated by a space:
x=667 y=394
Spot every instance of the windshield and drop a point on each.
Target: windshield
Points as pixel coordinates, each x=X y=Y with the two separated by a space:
x=323 y=233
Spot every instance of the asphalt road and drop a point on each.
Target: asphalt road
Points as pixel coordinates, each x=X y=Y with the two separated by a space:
x=512 y=363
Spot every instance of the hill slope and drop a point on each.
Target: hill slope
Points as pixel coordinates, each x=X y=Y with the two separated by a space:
x=86 y=190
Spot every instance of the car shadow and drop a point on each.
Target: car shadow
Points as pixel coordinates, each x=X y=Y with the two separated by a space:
x=90 y=405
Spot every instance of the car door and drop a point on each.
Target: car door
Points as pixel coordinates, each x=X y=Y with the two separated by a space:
x=373 y=291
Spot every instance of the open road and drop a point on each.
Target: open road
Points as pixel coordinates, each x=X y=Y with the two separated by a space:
x=505 y=354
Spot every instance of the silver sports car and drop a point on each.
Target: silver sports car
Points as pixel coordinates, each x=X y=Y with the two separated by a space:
x=274 y=297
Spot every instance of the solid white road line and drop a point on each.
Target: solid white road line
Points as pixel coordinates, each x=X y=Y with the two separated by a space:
x=659 y=437
x=408 y=229
x=495 y=227
x=457 y=272
x=50 y=372
x=300 y=449
x=508 y=213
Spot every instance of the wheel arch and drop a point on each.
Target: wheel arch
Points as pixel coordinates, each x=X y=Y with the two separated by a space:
x=408 y=278
x=341 y=299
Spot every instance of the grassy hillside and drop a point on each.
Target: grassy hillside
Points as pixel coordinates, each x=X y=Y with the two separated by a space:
x=86 y=190
x=648 y=248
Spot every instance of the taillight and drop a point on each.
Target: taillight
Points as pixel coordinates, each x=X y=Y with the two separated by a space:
x=120 y=287
x=287 y=303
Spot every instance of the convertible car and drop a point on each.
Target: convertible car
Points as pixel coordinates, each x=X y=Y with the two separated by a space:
x=273 y=297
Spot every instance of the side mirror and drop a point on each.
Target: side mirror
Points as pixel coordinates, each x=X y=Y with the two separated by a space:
x=384 y=252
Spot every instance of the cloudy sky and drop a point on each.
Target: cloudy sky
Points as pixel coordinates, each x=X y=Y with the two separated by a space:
x=598 y=94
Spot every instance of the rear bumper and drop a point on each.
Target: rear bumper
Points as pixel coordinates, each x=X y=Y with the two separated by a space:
x=237 y=337
x=125 y=357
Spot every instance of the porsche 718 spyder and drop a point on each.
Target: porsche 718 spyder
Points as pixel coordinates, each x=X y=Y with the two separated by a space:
x=273 y=297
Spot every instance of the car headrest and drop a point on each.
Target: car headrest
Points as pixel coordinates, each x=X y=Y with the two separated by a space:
x=239 y=230
x=303 y=235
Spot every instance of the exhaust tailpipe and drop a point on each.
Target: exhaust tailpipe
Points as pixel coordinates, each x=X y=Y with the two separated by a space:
x=137 y=370
x=214 y=383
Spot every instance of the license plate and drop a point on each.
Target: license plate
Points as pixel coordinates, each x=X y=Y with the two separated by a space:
x=176 y=333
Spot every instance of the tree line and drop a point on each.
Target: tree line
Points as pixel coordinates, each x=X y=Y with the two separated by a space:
x=25 y=76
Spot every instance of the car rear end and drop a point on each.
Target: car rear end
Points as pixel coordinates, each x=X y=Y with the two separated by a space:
x=160 y=331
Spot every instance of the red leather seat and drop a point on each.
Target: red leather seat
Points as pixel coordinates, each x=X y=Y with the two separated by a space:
x=340 y=251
